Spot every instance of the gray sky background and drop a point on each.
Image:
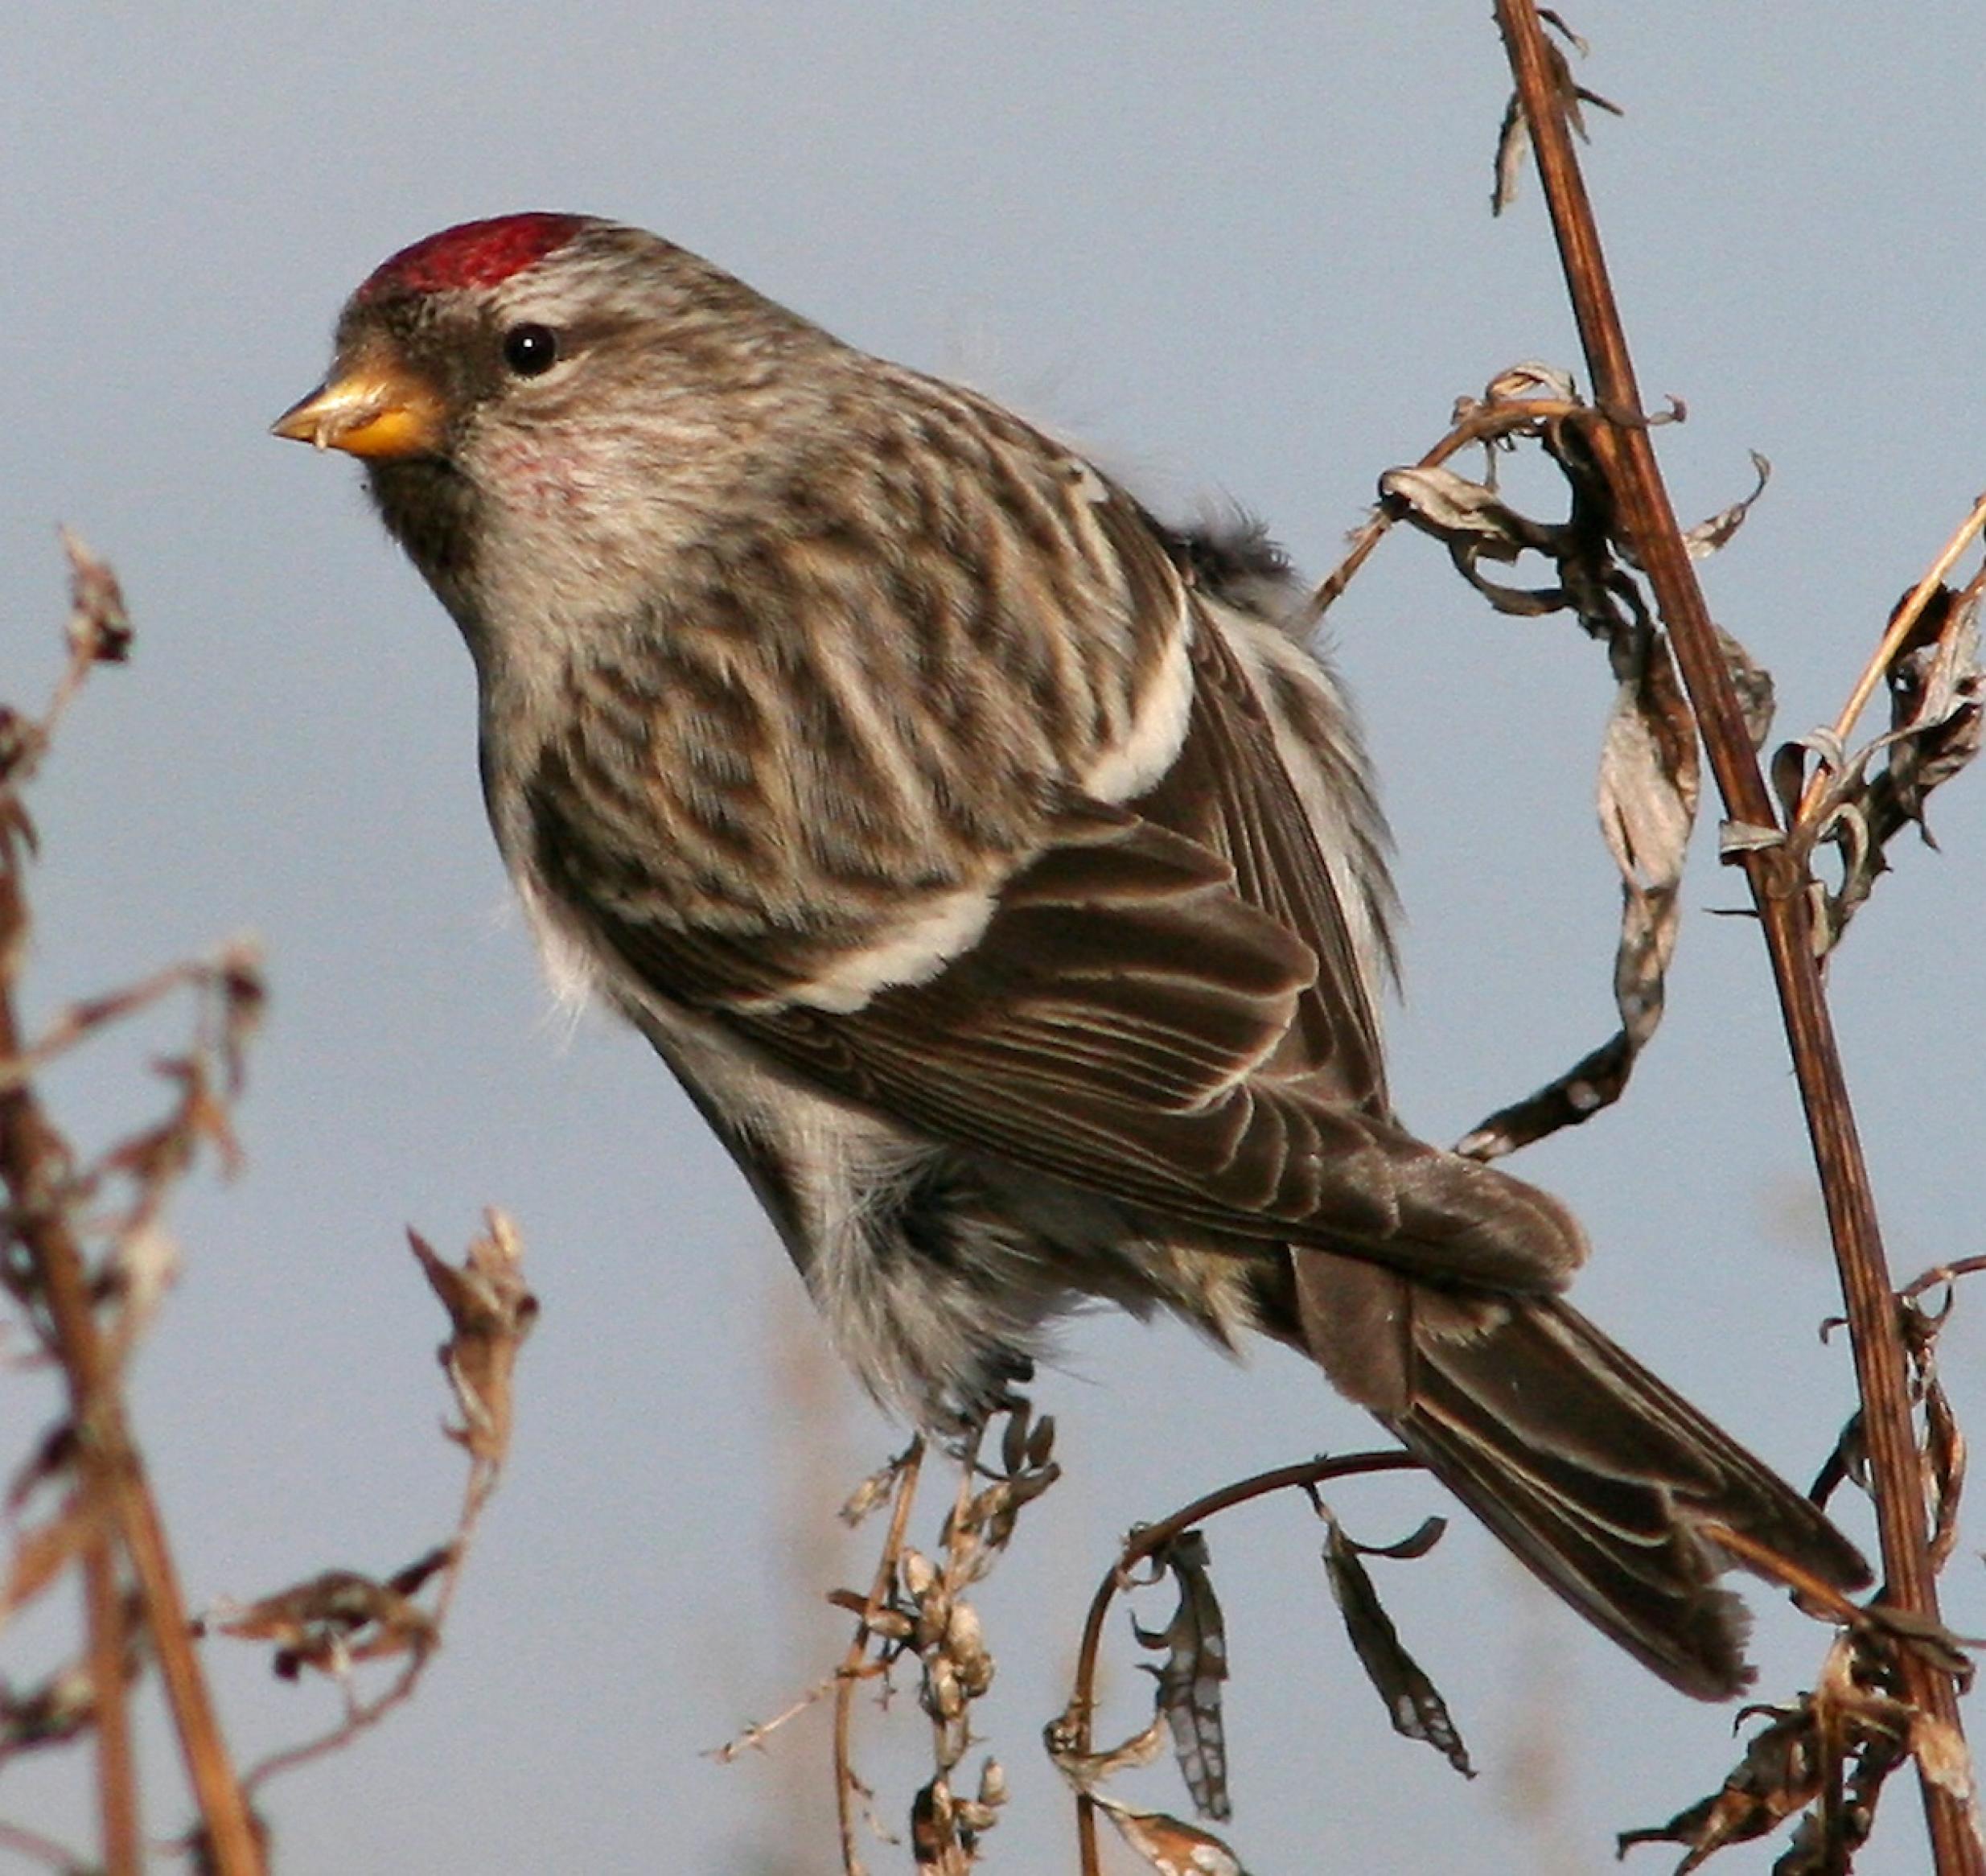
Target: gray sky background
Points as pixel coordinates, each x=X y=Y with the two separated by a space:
x=1244 y=251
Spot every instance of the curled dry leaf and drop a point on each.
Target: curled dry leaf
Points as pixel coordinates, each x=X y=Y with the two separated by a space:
x=42 y=1553
x=1649 y=783
x=1705 y=539
x=1513 y=140
x=1649 y=787
x=1169 y=1846
x=100 y=626
x=1827 y=1755
x=52 y=1713
x=331 y=1621
x=1943 y=1450
x=1189 y=1683
x=876 y=1489
x=491 y=1312
x=1753 y=682
x=1086 y=1771
x=1860 y=801
x=1413 y=1703
x=1935 y=693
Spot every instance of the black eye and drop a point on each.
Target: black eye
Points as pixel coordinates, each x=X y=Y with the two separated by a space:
x=530 y=351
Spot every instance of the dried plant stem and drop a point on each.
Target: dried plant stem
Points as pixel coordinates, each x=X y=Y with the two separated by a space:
x=108 y=1464
x=32 y=1158
x=1625 y=450
x=32 y=1844
x=1906 y=616
x=853 y=1662
x=117 y=1770
x=362 y=1717
x=1144 y=1542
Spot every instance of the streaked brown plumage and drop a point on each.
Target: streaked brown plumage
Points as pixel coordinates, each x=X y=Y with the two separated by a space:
x=999 y=877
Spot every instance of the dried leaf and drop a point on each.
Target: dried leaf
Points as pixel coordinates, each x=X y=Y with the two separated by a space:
x=876 y=1489
x=1188 y=1693
x=1086 y=1771
x=1413 y=1704
x=99 y=627
x=1649 y=787
x=1707 y=536
x=41 y=1554
x=1753 y=682
x=1861 y=801
x=1169 y=1846
x=1780 y=1774
x=1531 y=377
x=1829 y=1754
x=52 y=1713
x=1935 y=692
x=1467 y=514
x=1513 y=141
x=491 y=1312
x=330 y=1622
x=1944 y=1470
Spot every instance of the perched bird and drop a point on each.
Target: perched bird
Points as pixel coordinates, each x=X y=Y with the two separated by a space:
x=1001 y=876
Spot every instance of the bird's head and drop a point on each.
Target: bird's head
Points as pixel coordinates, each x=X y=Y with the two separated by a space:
x=551 y=391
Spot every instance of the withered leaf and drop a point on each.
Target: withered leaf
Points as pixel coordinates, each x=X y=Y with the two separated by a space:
x=1189 y=1687
x=1860 y=800
x=100 y=626
x=52 y=1713
x=1648 y=786
x=1753 y=682
x=1707 y=536
x=1169 y=1846
x=1513 y=140
x=1413 y=1704
x=43 y=1552
x=332 y=1619
x=1935 y=693
x=492 y=1311
x=1086 y=1771
x=1441 y=502
x=1780 y=1774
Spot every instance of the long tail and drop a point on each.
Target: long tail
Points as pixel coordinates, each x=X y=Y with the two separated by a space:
x=1603 y=1480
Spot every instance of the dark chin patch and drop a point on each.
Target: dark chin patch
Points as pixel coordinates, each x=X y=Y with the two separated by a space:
x=472 y=254
x=429 y=508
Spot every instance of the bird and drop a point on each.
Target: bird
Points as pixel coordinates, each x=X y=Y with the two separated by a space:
x=1001 y=874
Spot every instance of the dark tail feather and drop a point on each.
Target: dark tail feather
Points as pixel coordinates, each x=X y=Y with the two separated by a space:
x=1602 y=1480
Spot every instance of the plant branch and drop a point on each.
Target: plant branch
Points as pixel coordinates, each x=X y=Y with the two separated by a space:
x=32 y=1161
x=1143 y=1542
x=853 y=1664
x=1626 y=451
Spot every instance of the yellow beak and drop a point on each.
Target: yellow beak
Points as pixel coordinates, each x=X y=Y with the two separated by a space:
x=375 y=410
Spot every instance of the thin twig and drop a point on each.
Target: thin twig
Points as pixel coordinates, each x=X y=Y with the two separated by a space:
x=363 y=1716
x=1627 y=455
x=853 y=1663
x=24 y=1842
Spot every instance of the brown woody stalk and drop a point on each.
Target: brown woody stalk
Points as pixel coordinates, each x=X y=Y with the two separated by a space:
x=1622 y=445
x=111 y=1474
